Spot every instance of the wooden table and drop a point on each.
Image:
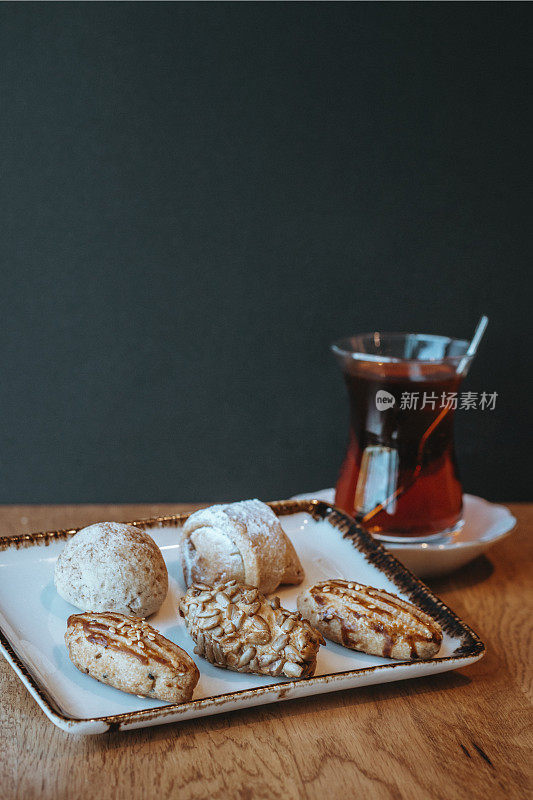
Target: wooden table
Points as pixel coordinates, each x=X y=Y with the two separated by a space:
x=457 y=735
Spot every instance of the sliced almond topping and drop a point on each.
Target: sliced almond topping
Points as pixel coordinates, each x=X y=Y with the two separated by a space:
x=292 y=670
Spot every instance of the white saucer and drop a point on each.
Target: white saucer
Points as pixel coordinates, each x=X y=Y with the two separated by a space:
x=485 y=524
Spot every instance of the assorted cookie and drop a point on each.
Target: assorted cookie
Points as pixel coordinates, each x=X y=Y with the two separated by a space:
x=236 y=627
x=232 y=556
x=127 y=653
x=238 y=541
x=112 y=567
x=370 y=620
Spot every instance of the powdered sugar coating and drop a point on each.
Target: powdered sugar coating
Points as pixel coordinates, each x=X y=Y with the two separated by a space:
x=111 y=566
x=242 y=541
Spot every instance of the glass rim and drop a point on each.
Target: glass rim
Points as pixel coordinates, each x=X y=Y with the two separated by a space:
x=342 y=347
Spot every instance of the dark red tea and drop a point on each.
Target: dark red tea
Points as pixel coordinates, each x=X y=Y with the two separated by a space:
x=401 y=457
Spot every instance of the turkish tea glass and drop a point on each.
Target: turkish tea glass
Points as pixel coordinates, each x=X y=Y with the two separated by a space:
x=399 y=477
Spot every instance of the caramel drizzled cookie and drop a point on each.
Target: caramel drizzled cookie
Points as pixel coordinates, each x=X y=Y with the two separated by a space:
x=127 y=653
x=371 y=620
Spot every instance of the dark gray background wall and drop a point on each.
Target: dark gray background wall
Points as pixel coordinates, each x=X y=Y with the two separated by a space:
x=197 y=198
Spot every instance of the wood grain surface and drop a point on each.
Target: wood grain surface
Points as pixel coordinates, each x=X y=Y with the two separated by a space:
x=457 y=735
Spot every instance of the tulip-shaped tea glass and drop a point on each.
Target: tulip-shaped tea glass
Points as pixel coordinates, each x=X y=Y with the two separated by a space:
x=399 y=478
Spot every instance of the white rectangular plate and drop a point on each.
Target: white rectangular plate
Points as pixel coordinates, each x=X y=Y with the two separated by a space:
x=33 y=621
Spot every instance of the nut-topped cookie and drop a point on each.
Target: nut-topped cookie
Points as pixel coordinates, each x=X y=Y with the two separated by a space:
x=236 y=627
x=127 y=653
x=370 y=620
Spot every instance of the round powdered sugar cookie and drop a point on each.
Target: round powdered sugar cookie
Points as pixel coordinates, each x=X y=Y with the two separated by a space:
x=111 y=566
